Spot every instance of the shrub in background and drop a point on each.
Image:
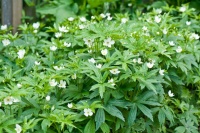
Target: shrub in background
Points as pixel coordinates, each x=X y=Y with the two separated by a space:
x=112 y=74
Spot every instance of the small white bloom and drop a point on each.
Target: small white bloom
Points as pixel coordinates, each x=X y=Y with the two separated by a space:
x=144 y=28
x=83 y=19
x=15 y=100
x=62 y=84
x=67 y=44
x=171 y=43
x=161 y=72
x=88 y=112
x=104 y=52
x=108 y=42
x=53 y=82
x=134 y=60
x=58 y=34
x=19 y=85
x=4 y=27
x=157 y=19
x=102 y=15
x=74 y=76
x=115 y=71
x=36 y=25
x=111 y=81
x=92 y=60
x=57 y=68
x=158 y=11
x=53 y=48
x=6 y=42
x=165 y=31
x=21 y=53
x=194 y=36
x=182 y=9
x=35 y=31
x=18 y=128
x=92 y=17
x=109 y=18
x=124 y=20
x=99 y=66
x=107 y=14
x=37 y=63
x=71 y=19
x=188 y=23
x=139 y=61
x=129 y=4
x=179 y=49
x=8 y=100
x=88 y=42
x=62 y=29
x=81 y=26
x=70 y=105
x=150 y=64
x=48 y=98
x=0 y=104
x=170 y=93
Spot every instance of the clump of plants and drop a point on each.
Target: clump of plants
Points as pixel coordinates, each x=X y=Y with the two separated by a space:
x=110 y=74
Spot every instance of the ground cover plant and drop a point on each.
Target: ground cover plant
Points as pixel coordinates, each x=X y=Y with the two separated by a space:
x=110 y=74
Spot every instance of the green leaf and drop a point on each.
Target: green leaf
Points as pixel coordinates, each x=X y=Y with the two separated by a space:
x=132 y=115
x=161 y=116
x=180 y=129
x=146 y=111
x=45 y=124
x=90 y=127
x=105 y=128
x=112 y=110
x=99 y=118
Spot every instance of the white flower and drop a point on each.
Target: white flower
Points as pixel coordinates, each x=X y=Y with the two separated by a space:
x=158 y=11
x=129 y=4
x=107 y=14
x=71 y=19
x=179 y=49
x=104 y=52
x=188 y=23
x=92 y=17
x=144 y=28
x=36 y=25
x=161 y=72
x=4 y=27
x=164 y=31
x=83 y=19
x=88 y=112
x=53 y=82
x=63 y=29
x=6 y=42
x=170 y=93
x=57 y=68
x=124 y=20
x=102 y=15
x=182 y=9
x=58 y=34
x=109 y=18
x=19 y=85
x=70 y=105
x=92 y=60
x=115 y=71
x=111 y=81
x=171 y=43
x=157 y=19
x=134 y=60
x=67 y=44
x=53 y=48
x=81 y=26
x=88 y=42
x=48 y=98
x=37 y=63
x=62 y=84
x=99 y=66
x=194 y=36
x=15 y=100
x=150 y=64
x=18 y=128
x=21 y=53
x=139 y=61
x=108 y=42
x=8 y=100
x=35 y=31
x=0 y=104
x=74 y=76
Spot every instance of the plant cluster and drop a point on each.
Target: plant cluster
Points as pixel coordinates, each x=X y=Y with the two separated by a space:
x=110 y=74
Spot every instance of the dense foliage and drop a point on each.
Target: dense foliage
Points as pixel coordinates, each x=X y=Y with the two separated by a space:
x=110 y=74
